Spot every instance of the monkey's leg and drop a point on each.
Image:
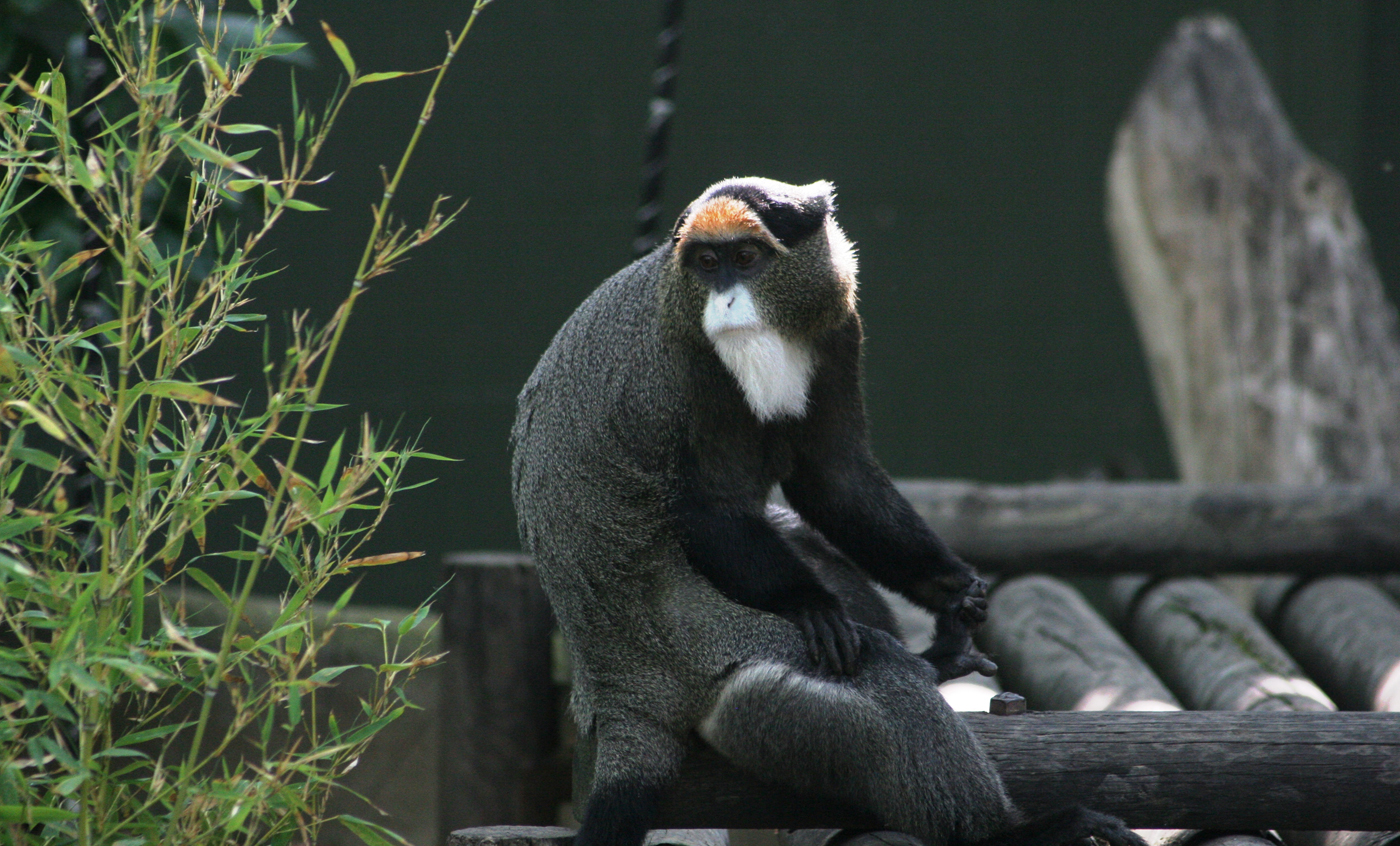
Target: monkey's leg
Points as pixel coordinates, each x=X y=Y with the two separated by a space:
x=636 y=760
x=884 y=740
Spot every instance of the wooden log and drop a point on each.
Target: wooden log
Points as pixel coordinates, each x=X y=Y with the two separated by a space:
x=1209 y=770
x=1345 y=632
x=1274 y=352
x=1055 y=650
x=512 y=835
x=1212 y=654
x=1164 y=529
x=500 y=761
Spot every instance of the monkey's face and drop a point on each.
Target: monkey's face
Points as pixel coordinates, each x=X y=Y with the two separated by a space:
x=765 y=255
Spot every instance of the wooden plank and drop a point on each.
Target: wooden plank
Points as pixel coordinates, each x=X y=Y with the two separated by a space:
x=1164 y=528
x=1190 y=769
x=500 y=761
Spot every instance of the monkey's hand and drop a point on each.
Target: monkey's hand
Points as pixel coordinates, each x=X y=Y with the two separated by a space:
x=833 y=643
x=953 y=653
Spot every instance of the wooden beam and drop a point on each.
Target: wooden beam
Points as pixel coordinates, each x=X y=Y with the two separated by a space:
x=1164 y=528
x=1206 y=769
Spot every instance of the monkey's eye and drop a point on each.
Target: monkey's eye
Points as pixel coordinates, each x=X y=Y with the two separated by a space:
x=707 y=260
x=745 y=257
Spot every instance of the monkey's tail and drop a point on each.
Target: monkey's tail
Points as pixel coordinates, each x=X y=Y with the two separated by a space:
x=663 y=87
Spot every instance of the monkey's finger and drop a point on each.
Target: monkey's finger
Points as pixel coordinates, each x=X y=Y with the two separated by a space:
x=984 y=665
x=973 y=610
x=848 y=640
x=809 y=634
x=830 y=640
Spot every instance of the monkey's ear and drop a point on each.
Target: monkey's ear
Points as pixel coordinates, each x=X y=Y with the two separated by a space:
x=818 y=198
x=680 y=221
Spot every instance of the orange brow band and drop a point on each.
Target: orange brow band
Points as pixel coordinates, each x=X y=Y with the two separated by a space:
x=725 y=219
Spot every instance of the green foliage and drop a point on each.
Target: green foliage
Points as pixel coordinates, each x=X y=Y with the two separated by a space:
x=130 y=221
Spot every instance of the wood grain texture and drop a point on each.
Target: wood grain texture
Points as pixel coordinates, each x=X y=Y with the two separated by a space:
x=1210 y=652
x=1055 y=650
x=1274 y=352
x=1344 y=632
x=1164 y=528
x=500 y=761
x=1203 y=769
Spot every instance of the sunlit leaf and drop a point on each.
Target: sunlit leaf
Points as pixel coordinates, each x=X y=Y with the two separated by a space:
x=243 y=128
x=340 y=49
x=379 y=560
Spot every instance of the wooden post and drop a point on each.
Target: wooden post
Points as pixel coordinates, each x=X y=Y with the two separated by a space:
x=1051 y=647
x=500 y=757
x=1344 y=631
x=1211 y=653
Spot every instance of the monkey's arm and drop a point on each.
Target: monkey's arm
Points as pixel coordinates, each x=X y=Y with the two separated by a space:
x=743 y=556
x=841 y=490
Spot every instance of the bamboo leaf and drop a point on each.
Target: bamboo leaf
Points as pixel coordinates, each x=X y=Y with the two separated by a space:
x=71 y=263
x=371 y=834
x=47 y=423
x=243 y=128
x=186 y=392
x=30 y=814
x=380 y=560
x=207 y=582
x=340 y=49
x=194 y=148
x=410 y=622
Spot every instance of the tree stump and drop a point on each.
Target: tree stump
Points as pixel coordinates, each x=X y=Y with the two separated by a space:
x=1273 y=350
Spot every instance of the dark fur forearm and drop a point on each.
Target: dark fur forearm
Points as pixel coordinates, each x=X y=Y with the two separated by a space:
x=865 y=517
x=743 y=556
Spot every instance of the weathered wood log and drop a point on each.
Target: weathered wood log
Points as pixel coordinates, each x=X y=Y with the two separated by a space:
x=1215 y=770
x=512 y=835
x=1212 y=654
x=1055 y=650
x=1099 y=528
x=1274 y=352
x=500 y=761
x=1345 y=632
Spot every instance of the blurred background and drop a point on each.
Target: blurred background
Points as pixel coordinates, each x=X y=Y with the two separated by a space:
x=968 y=144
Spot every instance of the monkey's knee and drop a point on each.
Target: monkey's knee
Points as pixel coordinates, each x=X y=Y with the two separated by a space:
x=809 y=732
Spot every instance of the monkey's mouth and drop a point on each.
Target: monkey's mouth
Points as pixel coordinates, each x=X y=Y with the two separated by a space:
x=731 y=310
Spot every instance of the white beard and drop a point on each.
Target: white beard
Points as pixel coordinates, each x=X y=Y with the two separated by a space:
x=773 y=372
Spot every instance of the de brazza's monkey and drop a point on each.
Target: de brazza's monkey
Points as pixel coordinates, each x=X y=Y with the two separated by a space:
x=647 y=443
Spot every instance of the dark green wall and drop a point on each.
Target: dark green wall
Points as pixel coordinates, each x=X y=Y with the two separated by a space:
x=968 y=143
